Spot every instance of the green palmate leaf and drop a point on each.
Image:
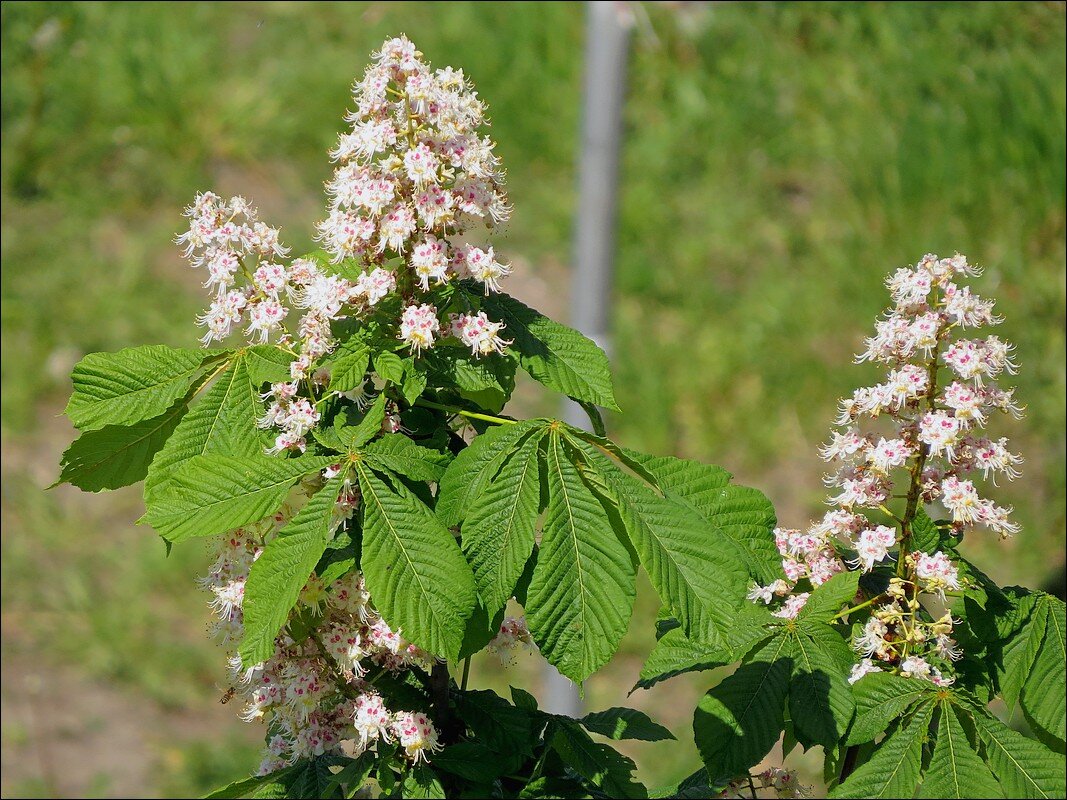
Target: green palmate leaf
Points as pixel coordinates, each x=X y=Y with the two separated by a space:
x=739 y=720
x=1025 y=623
x=131 y=385
x=598 y=763
x=414 y=385
x=557 y=356
x=421 y=784
x=313 y=779
x=927 y=536
x=476 y=762
x=212 y=494
x=222 y=422
x=741 y=513
x=267 y=363
x=117 y=456
x=893 y=770
x=697 y=572
x=503 y=727
x=523 y=699
x=675 y=654
x=348 y=365
x=582 y=591
x=498 y=534
x=390 y=367
x=397 y=453
x=342 y=554
x=697 y=483
x=880 y=698
x=696 y=786
x=829 y=598
x=1025 y=768
x=278 y=575
x=475 y=466
x=820 y=698
x=245 y=788
x=979 y=587
x=354 y=436
x=625 y=723
x=482 y=627
x=413 y=566
x=1043 y=692
x=488 y=381
x=354 y=774
x=956 y=770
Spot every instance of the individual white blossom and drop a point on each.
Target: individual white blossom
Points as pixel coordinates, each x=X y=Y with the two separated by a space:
x=512 y=637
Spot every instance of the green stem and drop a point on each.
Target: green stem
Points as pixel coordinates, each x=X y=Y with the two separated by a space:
x=466 y=673
x=464 y=413
x=863 y=605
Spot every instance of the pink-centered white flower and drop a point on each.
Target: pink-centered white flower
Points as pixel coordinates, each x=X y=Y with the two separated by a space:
x=416 y=734
x=419 y=326
x=479 y=333
x=936 y=572
x=888 y=454
x=429 y=259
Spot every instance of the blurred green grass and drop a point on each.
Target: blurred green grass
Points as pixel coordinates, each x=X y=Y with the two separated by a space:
x=779 y=160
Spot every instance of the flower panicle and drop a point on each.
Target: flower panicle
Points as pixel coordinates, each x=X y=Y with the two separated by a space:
x=916 y=438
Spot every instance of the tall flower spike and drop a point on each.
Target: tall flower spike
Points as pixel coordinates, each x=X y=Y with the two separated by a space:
x=929 y=447
x=415 y=175
x=415 y=181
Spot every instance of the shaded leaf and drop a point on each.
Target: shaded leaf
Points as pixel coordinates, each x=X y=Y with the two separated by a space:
x=116 y=456
x=598 y=763
x=893 y=770
x=625 y=723
x=738 y=721
x=880 y=698
x=820 y=698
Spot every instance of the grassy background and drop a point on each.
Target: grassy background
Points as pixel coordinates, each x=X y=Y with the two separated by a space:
x=779 y=160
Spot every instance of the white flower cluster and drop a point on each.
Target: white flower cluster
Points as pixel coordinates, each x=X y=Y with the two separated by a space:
x=241 y=256
x=928 y=448
x=312 y=692
x=414 y=175
x=227 y=240
x=935 y=424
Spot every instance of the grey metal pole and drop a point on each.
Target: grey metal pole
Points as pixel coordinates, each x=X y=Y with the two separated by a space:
x=607 y=42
